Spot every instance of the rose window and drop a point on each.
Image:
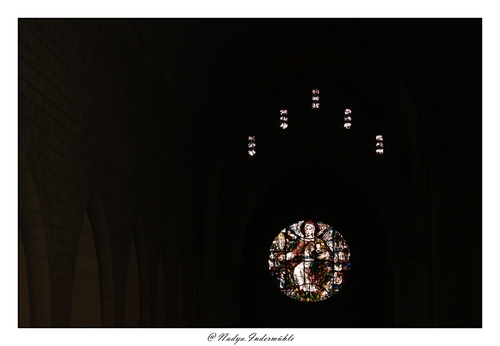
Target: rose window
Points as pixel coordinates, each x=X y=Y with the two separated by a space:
x=309 y=261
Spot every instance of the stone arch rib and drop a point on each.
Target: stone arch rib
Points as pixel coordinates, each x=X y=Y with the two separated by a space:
x=35 y=228
x=98 y=222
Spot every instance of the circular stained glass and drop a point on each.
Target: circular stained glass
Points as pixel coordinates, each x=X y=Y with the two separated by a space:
x=309 y=261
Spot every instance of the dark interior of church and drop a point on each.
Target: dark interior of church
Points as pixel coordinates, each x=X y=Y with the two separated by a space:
x=140 y=205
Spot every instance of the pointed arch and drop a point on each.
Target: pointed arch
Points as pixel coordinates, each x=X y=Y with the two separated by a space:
x=98 y=221
x=85 y=300
x=161 y=320
x=23 y=292
x=132 y=311
x=173 y=282
x=349 y=58
x=34 y=228
x=143 y=272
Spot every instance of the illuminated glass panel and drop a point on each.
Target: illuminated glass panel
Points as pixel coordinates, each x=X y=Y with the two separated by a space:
x=379 y=145
x=347 y=119
x=315 y=99
x=251 y=146
x=283 y=119
x=309 y=261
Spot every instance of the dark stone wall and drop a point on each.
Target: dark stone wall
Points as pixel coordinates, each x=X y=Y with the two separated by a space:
x=95 y=119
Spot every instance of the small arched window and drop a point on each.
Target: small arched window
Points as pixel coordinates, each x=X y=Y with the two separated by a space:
x=251 y=146
x=379 y=145
x=347 y=119
x=315 y=99
x=283 y=119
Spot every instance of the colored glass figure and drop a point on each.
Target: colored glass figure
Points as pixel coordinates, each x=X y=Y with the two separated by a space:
x=283 y=119
x=309 y=261
x=315 y=99
x=379 y=145
x=251 y=146
x=283 y=123
x=347 y=119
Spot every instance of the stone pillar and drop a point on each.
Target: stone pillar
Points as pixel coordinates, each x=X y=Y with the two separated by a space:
x=442 y=249
x=409 y=293
x=211 y=264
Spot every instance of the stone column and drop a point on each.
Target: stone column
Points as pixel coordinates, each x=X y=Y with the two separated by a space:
x=409 y=292
x=211 y=239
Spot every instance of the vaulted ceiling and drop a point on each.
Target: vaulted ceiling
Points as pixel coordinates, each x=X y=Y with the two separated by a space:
x=225 y=72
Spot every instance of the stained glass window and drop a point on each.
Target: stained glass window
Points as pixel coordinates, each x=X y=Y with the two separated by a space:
x=347 y=119
x=283 y=119
x=251 y=146
x=379 y=145
x=309 y=261
x=315 y=99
